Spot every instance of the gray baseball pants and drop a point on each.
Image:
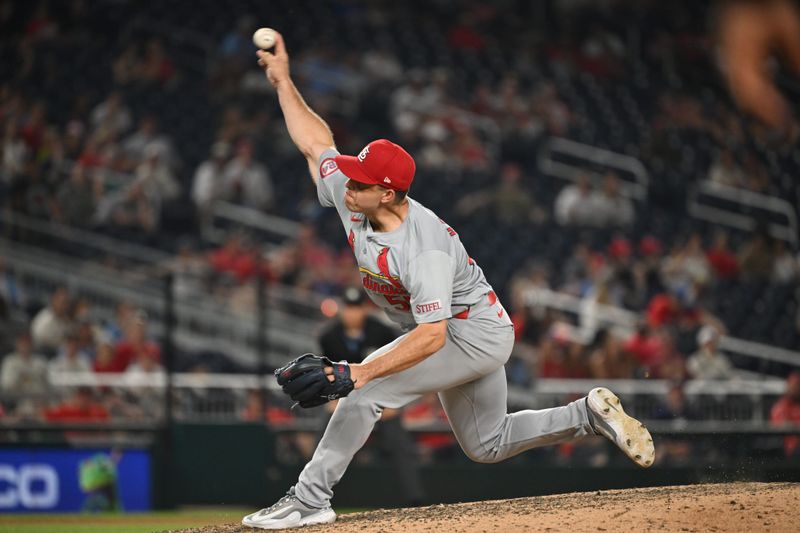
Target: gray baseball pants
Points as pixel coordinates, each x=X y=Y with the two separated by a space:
x=469 y=376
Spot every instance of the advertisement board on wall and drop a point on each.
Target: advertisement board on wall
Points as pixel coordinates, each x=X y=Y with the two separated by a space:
x=66 y=480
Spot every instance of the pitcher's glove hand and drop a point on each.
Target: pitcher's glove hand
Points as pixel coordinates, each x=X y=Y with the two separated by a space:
x=306 y=383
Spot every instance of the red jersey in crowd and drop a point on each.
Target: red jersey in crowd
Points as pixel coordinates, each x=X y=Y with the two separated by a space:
x=127 y=352
x=81 y=408
x=648 y=350
x=724 y=263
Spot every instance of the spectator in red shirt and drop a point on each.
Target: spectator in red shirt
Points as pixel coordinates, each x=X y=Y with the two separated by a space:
x=134 y=345
x=104 y=358
x=662 y=310
x=550 y=355
x=92 y=155
x=236 y=258
x=649 y=246
x=465 y=35
x=681 y=310
x=645 y=347
x=787 y=412
x=722 y=260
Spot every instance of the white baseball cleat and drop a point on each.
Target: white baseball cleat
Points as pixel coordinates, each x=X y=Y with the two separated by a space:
x=289 y=512
x=610 y=420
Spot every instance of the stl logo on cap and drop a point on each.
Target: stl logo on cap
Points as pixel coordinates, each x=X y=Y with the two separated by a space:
x=387 y=165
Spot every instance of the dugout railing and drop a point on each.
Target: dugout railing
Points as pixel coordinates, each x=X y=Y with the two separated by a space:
x=204 y=397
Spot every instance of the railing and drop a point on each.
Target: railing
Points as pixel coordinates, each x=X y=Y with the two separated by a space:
x=247 y=218
x=624 y=320
x=732 y=406
x=621 y=321
x=244 y=217
x=731 y=215
x=82 y=238
x=569 y=159
x=159 y=380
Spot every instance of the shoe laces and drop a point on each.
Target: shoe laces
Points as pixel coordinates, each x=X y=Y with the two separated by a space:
x=285 y=499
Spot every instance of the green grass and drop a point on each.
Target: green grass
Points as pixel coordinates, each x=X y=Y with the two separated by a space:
x=93 y=528
x=125 y=523
x=118 y=523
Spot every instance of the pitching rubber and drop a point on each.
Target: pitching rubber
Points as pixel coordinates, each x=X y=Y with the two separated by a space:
x=630 y=435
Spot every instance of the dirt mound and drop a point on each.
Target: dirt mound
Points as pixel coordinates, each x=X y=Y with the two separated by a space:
x=751 y=507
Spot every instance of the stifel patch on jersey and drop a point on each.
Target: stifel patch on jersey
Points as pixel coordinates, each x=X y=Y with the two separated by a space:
x=428 y=307
x=327 y=167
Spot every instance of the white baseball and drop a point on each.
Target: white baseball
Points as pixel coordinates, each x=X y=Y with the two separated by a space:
x=264 y=38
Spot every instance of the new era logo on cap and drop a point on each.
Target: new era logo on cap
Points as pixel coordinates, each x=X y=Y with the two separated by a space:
x=381 y=162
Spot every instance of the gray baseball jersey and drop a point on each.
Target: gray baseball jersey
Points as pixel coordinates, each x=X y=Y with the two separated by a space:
x=417 y=273
x=421 y=273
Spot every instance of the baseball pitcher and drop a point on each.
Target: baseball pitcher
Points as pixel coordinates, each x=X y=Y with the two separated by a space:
x=457 y=334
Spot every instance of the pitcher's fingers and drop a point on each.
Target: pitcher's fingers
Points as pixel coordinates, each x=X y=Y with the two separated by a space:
x=265 y=56
x=280 y=46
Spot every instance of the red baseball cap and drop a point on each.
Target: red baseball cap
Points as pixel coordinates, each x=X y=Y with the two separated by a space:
x=382 y=163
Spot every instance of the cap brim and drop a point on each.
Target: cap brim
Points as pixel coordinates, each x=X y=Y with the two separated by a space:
x=351 y=167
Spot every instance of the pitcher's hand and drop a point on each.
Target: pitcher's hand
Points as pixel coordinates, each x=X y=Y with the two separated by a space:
x=275 y=63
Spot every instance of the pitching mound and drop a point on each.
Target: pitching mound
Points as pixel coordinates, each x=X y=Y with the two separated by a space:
x=773 y=507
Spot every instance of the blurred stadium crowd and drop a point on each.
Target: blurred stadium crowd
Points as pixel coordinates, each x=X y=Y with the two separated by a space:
x=136 y=122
